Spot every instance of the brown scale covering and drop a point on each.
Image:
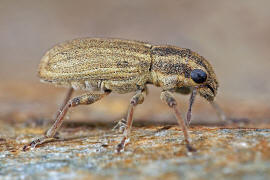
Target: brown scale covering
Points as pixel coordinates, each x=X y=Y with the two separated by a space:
x=178 y=68
x=124 y=65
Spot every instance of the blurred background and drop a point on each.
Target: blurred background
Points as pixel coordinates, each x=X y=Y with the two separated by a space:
x=232 y=35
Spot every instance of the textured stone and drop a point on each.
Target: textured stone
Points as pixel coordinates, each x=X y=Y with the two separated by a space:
x=87 y=151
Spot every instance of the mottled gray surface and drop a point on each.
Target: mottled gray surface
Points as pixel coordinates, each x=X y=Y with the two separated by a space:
x=153 y=152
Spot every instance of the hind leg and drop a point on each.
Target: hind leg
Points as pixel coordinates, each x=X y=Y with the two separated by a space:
x=80 y=100
x=67 y=98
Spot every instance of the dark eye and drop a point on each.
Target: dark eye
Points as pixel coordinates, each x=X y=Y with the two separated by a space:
x=198 y=76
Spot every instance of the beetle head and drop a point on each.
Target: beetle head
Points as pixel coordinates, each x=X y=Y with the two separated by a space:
x=203 y=77
x=178 y=68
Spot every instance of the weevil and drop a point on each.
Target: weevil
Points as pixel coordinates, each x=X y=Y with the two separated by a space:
x=101 y=66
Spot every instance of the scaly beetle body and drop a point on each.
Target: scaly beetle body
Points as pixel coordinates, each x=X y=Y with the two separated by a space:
x=101 y=66
x=122 y=66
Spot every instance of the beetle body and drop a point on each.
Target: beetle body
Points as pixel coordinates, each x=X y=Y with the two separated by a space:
x=101 y=66
x=123 y=66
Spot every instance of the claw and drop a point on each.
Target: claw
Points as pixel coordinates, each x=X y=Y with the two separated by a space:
x=120 y=147
x=190 y=148
x=35 y=143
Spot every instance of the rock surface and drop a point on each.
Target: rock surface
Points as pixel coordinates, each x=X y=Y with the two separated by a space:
x=88 y=152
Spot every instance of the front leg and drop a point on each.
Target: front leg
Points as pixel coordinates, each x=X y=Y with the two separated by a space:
x=191 y=102
x=84 y=99
x=168 y=98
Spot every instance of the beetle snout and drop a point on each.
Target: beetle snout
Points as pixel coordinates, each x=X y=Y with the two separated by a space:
x=208 y=91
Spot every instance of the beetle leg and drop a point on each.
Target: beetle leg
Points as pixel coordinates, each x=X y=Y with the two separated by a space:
x=168 y=98
x=121 y=125
x=88 y=98
x=191 y=101
x=67 y=98
x=138 y=98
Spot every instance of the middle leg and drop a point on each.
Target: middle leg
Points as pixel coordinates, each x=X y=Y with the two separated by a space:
x=138 y=98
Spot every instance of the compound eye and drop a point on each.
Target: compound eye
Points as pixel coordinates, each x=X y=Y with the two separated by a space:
x=198 y=76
